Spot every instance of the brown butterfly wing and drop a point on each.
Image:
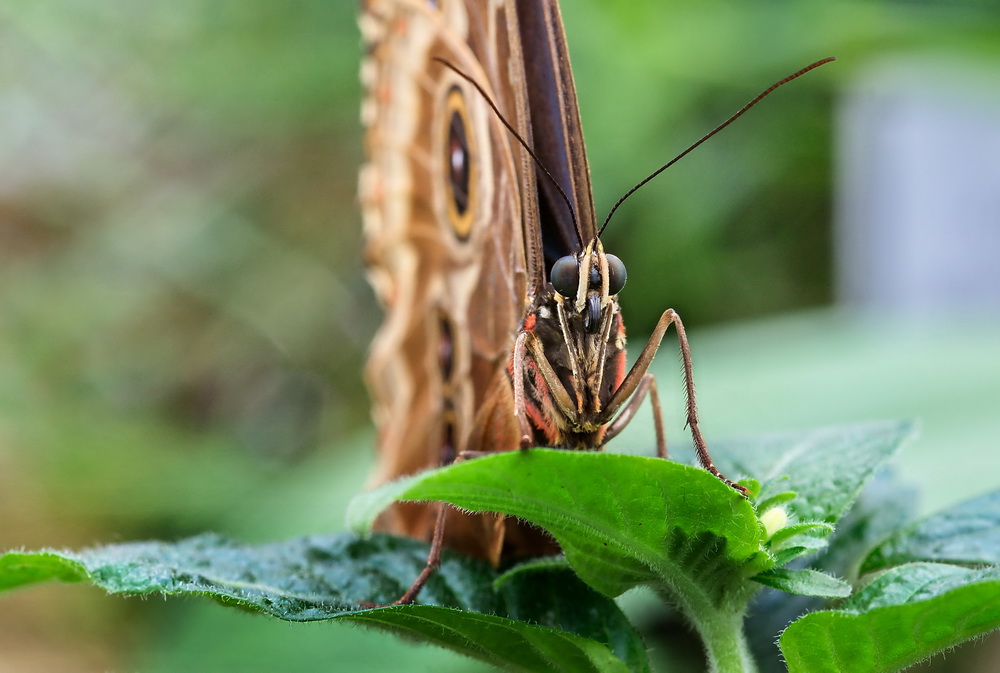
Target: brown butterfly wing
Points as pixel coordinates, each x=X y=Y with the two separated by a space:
x=557 y=136
x=452 y=238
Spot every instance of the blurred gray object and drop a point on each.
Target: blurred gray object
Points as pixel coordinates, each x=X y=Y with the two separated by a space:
x=918 y=210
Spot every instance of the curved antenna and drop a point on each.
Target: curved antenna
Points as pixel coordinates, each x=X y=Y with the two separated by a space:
x=711 y=133
x=524 y=144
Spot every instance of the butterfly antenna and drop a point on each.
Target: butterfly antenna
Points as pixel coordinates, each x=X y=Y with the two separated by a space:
x=711 y=133
x=524 y=144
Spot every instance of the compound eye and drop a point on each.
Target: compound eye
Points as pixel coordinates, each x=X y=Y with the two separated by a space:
x=616 y=274
x=565 y=276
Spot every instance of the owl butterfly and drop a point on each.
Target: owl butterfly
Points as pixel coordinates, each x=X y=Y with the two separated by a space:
x=502 y=327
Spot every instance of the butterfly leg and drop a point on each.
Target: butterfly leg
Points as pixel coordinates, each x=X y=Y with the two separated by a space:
x=433 y=559
x=517 y=372
x=527 y=343
x=647 y=384
x=639 y=370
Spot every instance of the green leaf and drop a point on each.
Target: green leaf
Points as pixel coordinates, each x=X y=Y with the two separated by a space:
x=826 y=468
x=620 y=520
x=299 y=580
x=541 y=619
x=788 y=554
x=512 y=645
x=884 y=506
x=915 y=582
x=804 y=582
x=18 y=569
x=532 y=565
x=776 y=500
x=966 y=534
x=809 y=535
x=903 y=616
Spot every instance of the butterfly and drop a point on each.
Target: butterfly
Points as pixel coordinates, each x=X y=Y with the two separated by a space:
x=502 y=325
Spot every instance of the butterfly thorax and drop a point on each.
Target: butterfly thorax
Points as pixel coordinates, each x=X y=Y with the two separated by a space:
x=583 y=339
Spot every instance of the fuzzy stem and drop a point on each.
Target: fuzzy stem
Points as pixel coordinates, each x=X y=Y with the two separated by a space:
x=720 y=627
x=725 y=644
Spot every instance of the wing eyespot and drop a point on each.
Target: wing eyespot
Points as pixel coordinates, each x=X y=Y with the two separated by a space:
x=460 y=171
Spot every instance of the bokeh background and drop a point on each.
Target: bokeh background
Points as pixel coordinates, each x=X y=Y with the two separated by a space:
x=184 y=315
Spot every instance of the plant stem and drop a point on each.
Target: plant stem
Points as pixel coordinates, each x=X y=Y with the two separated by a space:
x=725 y=643
x=720 y=628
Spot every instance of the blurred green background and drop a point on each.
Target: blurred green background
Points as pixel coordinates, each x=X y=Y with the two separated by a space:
x=184 y=316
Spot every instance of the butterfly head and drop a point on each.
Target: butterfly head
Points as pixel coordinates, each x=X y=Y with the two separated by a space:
x=589 y=280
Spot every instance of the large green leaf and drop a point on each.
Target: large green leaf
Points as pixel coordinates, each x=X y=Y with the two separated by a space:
x=627 y=520
x=538 y=620
x=966 y=534
x=826 y=468
x=621 y=520
x=903 y=616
